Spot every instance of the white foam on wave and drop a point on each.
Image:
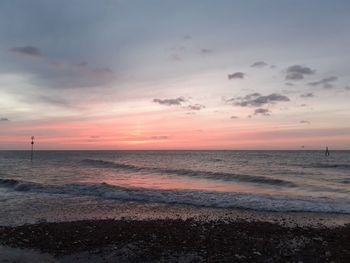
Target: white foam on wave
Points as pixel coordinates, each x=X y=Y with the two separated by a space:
x=188 y=197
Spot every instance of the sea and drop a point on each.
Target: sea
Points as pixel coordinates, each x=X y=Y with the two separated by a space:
x=304 y=181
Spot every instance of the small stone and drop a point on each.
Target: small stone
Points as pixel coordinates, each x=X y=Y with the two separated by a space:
x=328 y=254
x=240 y=256
x=96 y=251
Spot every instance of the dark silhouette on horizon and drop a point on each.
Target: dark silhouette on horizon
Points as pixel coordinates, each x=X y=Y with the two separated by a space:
x=327 y=153
x=32 y=151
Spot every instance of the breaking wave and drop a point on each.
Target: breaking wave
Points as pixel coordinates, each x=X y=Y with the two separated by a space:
x=192 y=173
x=187 y=197
x=331 y=165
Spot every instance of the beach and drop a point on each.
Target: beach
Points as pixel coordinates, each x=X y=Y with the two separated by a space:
x=219 y=235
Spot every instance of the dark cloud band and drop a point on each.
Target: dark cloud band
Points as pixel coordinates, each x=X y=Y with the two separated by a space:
x=236 y=75
x=27 y=51
x=258 y=100
x=325 y=82
x=259 y=64
x=297 y=72
x=261 y=111
x=170 y=102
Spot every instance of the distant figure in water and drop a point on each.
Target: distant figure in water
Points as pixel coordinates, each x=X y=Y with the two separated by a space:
x=327 y=152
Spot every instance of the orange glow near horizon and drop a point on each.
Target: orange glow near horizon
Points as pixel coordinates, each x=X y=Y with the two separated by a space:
x=153 y=133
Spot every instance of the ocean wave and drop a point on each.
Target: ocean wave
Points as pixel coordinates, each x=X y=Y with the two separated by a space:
x=331 y=165
x=192 y=173
x=345 y=181
x=186 y=197
x=108 y=164
x=8 y=182
x=19 y=185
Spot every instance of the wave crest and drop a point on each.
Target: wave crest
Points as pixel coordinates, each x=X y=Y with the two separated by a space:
x=192 y=173
x=186 y=197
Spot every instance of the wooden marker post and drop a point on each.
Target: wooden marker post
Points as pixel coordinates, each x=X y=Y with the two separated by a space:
x=32 y=152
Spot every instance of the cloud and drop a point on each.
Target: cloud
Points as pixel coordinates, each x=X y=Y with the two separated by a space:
x=236 y=75
x=27 y=51
x=196 y=107
x=304 y=122
x=325 y=82
x=234 y=117
x=288 y=91
x=347 y=88
x=252 y=95
x=53 y=73
x=298 y=72
x=93 y=138
x=258 y=100
x=4 y=119
x=289 y=84
x=259 y=64
x=101 y=71
x=171 y=102
x=206 y=51
x=307 y=95
x=67 y=75
x=54 y=101
x=303 y=105
x=159 y=137
x=175 y=57
x=75 y=76
x=328 y=86
x=261 y=111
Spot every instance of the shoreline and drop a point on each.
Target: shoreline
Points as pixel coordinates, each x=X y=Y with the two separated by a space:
x=173 y=240
x=93 y=209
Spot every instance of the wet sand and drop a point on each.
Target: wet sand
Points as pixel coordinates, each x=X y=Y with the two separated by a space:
x=178 y=240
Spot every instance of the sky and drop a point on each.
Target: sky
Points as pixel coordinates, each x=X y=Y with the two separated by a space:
x=180 y=74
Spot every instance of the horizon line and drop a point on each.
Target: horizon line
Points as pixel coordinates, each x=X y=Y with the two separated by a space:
x=43 y=150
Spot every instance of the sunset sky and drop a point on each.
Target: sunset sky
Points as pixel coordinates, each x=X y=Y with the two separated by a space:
x=181 y=74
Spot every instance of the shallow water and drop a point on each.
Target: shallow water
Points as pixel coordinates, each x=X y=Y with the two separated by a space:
x=260 y=180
